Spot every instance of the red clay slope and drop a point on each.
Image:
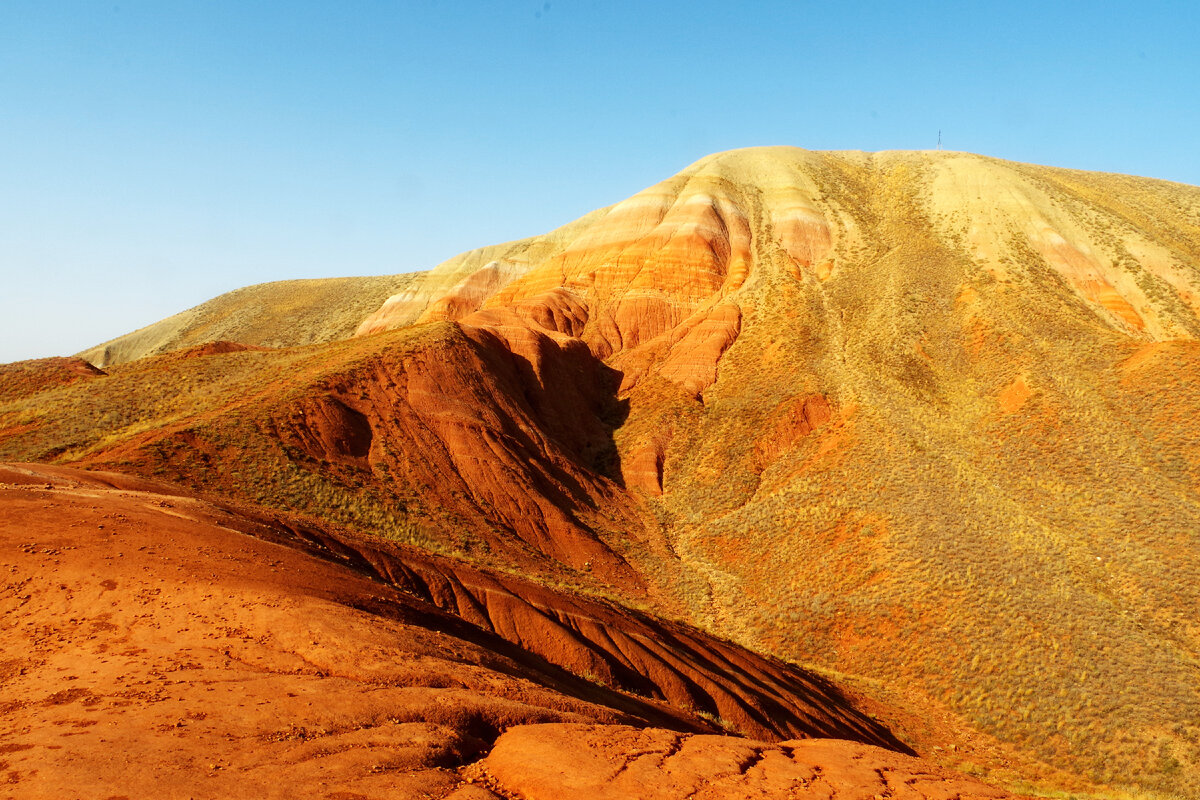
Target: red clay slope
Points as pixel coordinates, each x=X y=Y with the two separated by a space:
x=161 y=645
x=151 y=650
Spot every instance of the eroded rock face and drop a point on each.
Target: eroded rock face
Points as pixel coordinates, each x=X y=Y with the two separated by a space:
x=598 y=762
x=635 y=653
x=644 y=278
x=659 y=264
x=331 y=430
x=789 y=423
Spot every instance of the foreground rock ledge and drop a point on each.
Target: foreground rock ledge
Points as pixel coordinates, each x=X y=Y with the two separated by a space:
x=567 y=761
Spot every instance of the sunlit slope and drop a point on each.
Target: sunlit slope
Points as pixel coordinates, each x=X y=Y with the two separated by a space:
x=279 y=314
x=1121 y=245
x=919 y=416
x=293 y=653
x=965 y=459
x=922 y=419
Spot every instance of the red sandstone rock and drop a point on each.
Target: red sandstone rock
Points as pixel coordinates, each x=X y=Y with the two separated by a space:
x=597 y=762
x=790 y=422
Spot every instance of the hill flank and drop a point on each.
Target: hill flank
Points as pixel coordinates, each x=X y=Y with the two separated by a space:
x=921 y=420
x=278 y=314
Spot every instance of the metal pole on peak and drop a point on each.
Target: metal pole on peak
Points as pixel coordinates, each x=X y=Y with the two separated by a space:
x=939 y=139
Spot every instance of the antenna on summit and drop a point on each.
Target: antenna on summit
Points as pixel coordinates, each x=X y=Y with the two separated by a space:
x=939 y=139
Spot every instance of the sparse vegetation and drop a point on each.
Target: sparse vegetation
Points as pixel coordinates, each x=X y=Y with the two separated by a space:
x=280 y=314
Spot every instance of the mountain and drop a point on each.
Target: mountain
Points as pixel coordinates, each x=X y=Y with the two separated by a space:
x=278 y=314
x=920 y=422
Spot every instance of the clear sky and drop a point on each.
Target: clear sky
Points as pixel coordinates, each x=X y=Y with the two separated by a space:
x=156 y=154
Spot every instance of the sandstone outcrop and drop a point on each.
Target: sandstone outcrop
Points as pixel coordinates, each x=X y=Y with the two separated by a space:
x=568 y=761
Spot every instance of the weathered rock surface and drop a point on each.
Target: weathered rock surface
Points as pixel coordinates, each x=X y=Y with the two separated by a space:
x=502 y=434
x=153 y=650
x=566 y=761
x=670 y=263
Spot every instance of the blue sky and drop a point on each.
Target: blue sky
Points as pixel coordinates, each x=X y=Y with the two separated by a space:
x=156 y=154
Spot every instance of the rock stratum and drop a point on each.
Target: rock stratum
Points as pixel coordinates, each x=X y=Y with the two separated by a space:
x=921 y=422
